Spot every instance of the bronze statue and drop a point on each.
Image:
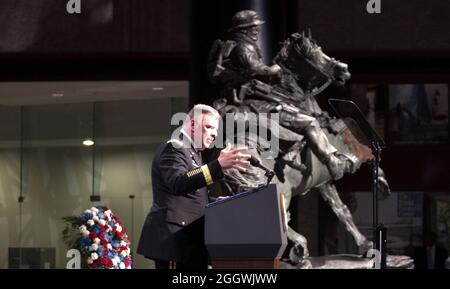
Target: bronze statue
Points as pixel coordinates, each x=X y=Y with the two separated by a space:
x=240 y=61
x=315 y=149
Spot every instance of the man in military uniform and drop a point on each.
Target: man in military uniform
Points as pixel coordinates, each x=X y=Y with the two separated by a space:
x=238 y=60
x=173 y=231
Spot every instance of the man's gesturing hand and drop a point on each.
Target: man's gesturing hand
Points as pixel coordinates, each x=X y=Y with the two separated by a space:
x=234 y=158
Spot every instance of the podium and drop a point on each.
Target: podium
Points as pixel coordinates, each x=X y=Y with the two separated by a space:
x=247 y=230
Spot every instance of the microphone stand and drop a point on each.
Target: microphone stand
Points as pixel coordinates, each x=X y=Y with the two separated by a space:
x=374 y=165
x=379 y=231
x=355 y=120
x=268 y=173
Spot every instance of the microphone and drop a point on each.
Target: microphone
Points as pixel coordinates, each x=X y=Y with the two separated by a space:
x=256 y=163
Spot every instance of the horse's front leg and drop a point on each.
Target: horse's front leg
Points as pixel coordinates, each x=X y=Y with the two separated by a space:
x=329 y=193
x=299 y=251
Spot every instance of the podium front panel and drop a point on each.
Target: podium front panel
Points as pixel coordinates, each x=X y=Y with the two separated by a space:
x=247 y=225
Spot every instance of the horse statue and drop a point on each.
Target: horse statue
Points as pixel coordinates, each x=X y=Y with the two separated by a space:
x=305 y=72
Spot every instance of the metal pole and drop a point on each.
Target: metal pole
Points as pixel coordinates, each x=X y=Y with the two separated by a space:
x=132 y=221
x=94 y=197
x=375 y=184
x=21 y=198
x=93 y=149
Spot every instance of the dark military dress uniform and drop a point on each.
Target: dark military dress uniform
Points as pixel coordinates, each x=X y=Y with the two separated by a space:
x=173 y=231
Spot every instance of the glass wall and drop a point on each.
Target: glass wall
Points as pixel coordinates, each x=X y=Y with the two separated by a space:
x=43 y=159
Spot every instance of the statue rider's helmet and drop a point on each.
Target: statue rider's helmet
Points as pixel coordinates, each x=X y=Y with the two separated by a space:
x=245 y=19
